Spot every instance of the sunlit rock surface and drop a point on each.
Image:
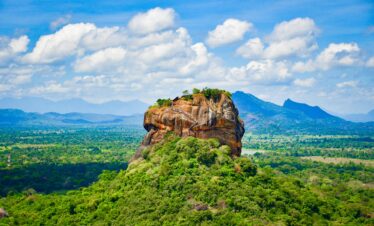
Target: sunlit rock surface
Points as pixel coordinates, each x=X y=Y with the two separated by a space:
x=198 y=117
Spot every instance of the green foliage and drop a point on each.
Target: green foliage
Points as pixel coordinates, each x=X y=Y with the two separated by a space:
x=313 y=145
x=207 y=92
x=61 y=159
x=195 y=91
x=191 y=181
x=164 y=102
x=246 y=166
x=186 y=92
x=214 y=93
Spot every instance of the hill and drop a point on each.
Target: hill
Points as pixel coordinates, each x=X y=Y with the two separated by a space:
x=189 y=181
x=41 y=105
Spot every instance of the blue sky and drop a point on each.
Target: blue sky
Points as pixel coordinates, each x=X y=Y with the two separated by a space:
x=319 y=52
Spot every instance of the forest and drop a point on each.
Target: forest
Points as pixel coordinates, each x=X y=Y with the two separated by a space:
x=83 y=175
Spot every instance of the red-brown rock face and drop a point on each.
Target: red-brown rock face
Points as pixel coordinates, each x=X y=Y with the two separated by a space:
x=199 y=117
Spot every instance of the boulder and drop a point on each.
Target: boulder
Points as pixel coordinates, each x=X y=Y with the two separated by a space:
x=3 y=213
x=196 y=116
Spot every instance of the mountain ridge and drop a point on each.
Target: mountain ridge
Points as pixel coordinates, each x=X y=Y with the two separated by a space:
x=368 y=117
x=17 y=117
x=293 y=118
x=42 y=105
x=314 y=112
x=259 y=116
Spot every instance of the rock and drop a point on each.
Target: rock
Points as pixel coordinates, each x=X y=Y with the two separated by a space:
x=196 y=116
x=3 y=213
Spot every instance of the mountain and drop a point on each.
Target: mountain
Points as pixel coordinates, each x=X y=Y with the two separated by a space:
x=259 y=116
x=41 y=105
x=368 y=117
x=295 y=118
x=314 y=112
x=16 y=117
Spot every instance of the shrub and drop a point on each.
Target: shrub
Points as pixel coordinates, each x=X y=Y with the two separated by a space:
x=164 y=102
x=245 y=165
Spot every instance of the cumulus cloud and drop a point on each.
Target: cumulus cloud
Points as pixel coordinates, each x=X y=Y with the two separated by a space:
x=370 y=62
x=200 y=58
x=294 y=37
x=11 y=47
x=298 y=27
x=59 y=45
x=262 y=72
x=347 y=84
x=19 y=45
x=230 y=31
x=308 y=82
x=253 y=48
x=302 y=67
x=13 y=76
x=60 y=22
x=336 y=54
x=288 y=38
x=151 y=53
x=100 y=38
x=153 y=20
x=101 y=60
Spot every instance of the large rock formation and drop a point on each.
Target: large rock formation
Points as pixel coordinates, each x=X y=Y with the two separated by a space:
x=196 y=116
x=3 y=213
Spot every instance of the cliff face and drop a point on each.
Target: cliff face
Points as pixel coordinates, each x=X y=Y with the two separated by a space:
x=199 y=117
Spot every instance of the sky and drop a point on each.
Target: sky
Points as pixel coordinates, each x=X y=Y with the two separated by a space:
x=316 y=52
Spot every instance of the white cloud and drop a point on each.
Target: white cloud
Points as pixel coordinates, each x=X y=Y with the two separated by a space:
x=337 y=54
x=13 y=76
x=100 y=38
x=230 y=31
x=106 y=63
x=153 y=20
x=50 y=87
x=347 y=84
x=251 y=49
x=302 y=67
x=60 y=22
x=370 y=62
x=59 y=45
x=300 y=46
x=101 y=60
x=298 y=27
x=9 y=48
x=262 y=72
x=308 y=82
x=19 y=45
x=294 y=37
x=288 y=38
x=200 y=58
x=21 y=79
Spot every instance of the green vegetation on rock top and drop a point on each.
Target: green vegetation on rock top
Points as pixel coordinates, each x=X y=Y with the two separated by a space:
x=207 y=92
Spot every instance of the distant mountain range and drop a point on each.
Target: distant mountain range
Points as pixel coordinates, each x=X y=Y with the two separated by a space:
x=360 y=117
x=41 y=105
x=259 y=116
x=297 y=118
x=16 y=117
